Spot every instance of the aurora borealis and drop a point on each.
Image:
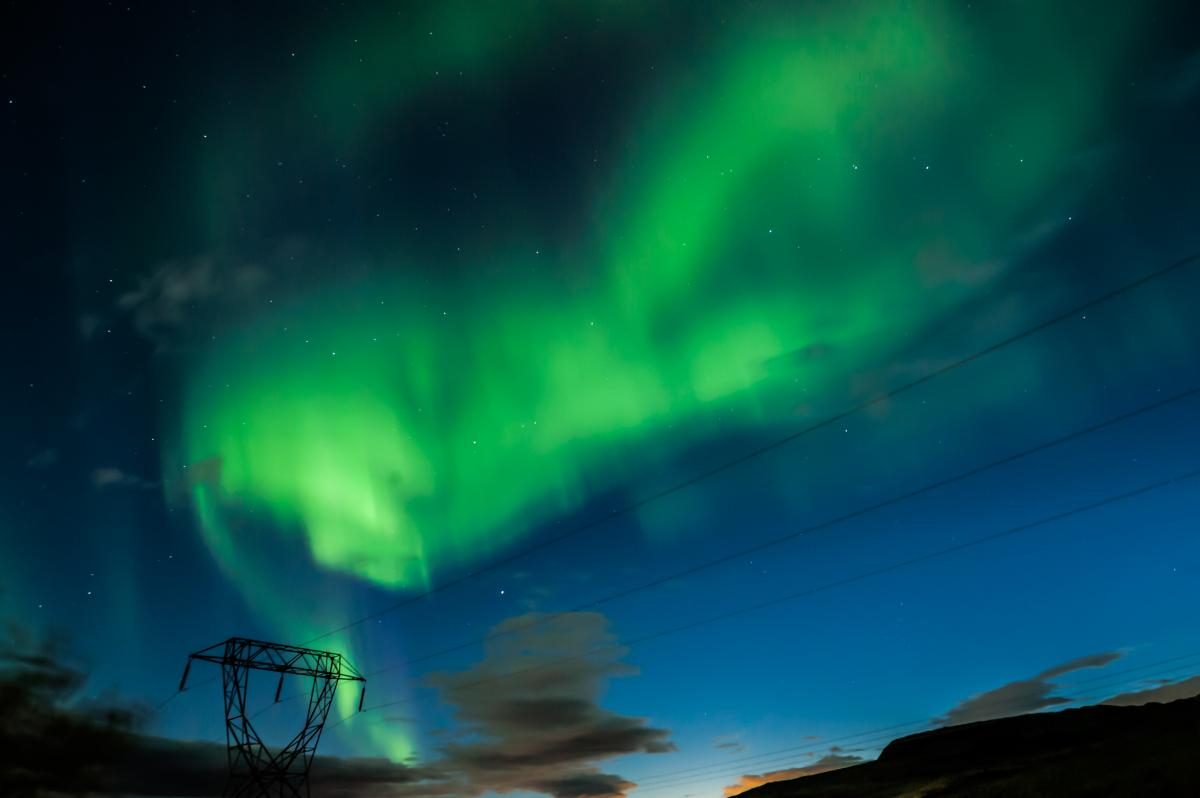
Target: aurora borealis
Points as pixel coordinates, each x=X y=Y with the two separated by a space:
x=336 y=306
x=401 y=425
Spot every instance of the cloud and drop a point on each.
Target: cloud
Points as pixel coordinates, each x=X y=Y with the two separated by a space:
x=583 y=785
x=831 y=761
x=1168 y=691
x=112 y=477
x=162 y=767
x=729 y=743
x=542 y=731
x=204 y=472
x=170 y=301
x=1024 y=695
x=1079 y=663
x=44 y=745
x=545 y=730
x=42 y=460
x=939 y=264
x=52 y=743
x=102 y=758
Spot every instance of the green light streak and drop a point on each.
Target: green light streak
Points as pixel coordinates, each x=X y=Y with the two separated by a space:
x=775 y=205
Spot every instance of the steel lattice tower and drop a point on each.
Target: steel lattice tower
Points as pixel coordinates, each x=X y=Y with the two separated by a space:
x=254 y=771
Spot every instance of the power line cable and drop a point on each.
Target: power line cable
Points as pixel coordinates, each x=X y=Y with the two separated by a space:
x=783 y=756
x=861 y=742
x=770 y=446
x=807 y=530
x=691 y=570
x=1101 y=681
x=859 y=577
x=748 y=456
x=866 y=739
x=774 y=755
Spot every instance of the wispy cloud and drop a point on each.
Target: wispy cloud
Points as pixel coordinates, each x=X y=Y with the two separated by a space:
x=1023 y=695
x=176 y=295
x=1162 y=693
x=831 y=761
x=43 y=459
x=112 y=477
x=730 y=743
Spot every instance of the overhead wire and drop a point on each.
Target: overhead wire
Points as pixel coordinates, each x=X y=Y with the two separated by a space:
x=758 y=547
x=770 y=446
x=1108 y=500
x=753 y=454
x=761 y=546
x=780 y=758
x=777 y=541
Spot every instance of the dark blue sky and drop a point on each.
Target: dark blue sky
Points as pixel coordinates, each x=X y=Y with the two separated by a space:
x=182 y=184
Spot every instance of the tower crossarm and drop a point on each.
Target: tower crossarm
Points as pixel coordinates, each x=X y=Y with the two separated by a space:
x=279 y=658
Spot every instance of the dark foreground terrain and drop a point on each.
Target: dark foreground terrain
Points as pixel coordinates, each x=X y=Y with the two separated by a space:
x=1151 y=750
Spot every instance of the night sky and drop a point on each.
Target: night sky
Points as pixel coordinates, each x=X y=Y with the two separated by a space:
x=390 y=327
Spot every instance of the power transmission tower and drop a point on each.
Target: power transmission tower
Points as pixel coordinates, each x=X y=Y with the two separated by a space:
x=254 y=771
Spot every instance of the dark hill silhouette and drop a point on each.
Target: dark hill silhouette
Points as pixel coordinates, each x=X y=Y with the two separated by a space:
x=1145 y=751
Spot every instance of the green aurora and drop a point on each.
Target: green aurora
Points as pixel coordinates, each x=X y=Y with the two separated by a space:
x=794 y=210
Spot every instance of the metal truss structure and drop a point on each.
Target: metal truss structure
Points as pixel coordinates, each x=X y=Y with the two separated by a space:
x=254 y=770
